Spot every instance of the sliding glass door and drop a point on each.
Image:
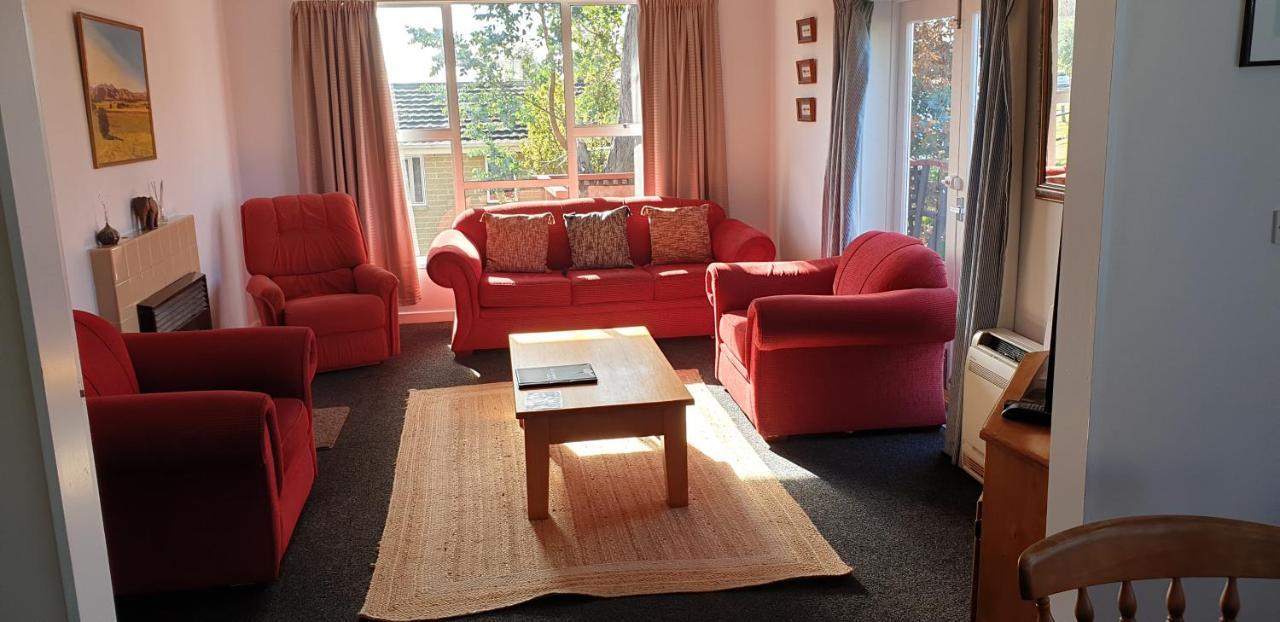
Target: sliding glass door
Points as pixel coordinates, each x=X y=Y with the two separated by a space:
x=512 y=101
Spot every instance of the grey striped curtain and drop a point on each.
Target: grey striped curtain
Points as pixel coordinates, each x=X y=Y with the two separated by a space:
x=852 y=64
x=994 y=181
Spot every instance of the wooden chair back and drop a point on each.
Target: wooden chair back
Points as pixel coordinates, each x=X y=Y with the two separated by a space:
x=1139 y=548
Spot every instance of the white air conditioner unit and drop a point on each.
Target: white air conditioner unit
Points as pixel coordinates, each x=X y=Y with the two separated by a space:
x=993 y=357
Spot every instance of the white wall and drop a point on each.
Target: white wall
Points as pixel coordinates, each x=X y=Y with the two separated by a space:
x=54 y=560
x=800 y=149
x=194 y=139
x=1183 y=407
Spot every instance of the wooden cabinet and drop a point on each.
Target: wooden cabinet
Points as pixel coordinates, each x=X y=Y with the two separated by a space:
x=1014 y=500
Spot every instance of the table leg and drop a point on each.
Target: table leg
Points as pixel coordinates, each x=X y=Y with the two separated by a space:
x=537 y=464
x=675 y=450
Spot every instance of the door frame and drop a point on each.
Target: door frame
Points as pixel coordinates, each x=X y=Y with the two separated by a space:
x=964 y=76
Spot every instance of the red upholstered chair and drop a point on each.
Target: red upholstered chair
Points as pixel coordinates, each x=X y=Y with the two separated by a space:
x=841 y=344
x=203 y=447
x=309 y=268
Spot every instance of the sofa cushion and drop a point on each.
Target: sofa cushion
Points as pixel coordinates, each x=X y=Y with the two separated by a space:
x=598 y=240
x=733 y=333
x=616 y=285
x=513 y=289
x=517 y=242
x=338 y=313
x=471 y=222
x=679 y=234
x=679 y=281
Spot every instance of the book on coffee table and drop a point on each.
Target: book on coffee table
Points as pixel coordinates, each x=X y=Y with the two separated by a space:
x=581 y=373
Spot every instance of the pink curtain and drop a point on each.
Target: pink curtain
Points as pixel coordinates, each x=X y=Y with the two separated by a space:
x=684 y=142
x=345 y=128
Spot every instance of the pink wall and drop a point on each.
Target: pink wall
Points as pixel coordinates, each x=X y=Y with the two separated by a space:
x=746 y=47
x=800 y=149
x=194 y=139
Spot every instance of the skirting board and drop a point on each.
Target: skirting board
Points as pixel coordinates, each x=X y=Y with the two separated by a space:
x=425 y=317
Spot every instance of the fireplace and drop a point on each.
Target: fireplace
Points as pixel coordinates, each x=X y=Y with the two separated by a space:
x=181 y=305
x=140 y=266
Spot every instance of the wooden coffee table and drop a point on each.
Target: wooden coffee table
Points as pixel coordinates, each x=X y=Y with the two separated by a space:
x=638 y=394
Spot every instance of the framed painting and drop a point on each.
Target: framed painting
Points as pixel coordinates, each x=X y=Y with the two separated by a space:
x=117 y=97
x=1260 y=44
x=807 y=71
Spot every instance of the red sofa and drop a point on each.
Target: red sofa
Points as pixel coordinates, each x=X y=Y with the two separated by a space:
x=203 y=447
x=841 y=344
x=670 y=300
x=309 y=267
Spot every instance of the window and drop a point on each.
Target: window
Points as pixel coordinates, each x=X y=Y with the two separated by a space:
x=513 y=75
x=1058 y=53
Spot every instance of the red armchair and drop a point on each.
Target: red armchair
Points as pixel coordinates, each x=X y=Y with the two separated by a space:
x=309 y=268
x=841 y=344
x=203 y=447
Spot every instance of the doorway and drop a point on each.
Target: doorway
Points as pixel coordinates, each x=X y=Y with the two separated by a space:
x=937 y=84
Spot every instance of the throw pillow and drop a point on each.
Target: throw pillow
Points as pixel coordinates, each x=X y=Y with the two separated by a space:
x=516 y=242
x=679 y=234
x=598 y=240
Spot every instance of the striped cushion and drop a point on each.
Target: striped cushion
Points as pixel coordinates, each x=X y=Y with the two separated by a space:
x=517 y=242
x=679 y=234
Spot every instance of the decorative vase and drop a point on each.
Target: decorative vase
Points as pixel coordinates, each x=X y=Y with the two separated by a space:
x=107 y=235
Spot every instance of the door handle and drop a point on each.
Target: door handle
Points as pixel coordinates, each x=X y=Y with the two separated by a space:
x=959 y=209
x=954 y=182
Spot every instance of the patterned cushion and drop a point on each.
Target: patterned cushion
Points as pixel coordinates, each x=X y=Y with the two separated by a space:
x=679 y=234
x=516 y=242
x=598 y=240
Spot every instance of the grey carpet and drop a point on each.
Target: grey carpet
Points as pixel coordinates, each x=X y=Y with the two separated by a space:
x=889 y=503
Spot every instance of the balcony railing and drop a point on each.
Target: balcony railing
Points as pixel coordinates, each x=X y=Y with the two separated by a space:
x=927 y=203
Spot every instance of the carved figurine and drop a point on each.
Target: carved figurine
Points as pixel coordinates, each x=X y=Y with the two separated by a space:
x=147 y=213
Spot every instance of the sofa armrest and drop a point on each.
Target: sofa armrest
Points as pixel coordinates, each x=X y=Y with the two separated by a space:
x=733 y=286
x=453 y=261
x=279 y=361
x=375 y=280
x=734 y=240
x=268 y=298
x=380 y=282
x=201 y=430
x=909 y=316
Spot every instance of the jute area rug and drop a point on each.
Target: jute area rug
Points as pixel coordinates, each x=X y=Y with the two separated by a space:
x=457 y=539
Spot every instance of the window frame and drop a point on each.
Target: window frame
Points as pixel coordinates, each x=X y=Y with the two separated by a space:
x=1048 y=86
x=573 y=131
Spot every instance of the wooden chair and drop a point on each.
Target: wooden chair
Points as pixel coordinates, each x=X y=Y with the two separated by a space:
x=1124 y=550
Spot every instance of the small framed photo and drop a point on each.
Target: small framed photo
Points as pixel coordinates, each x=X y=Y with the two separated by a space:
x=807 y=109
x=807 y=71
x=807 y=30
x=1260 y=44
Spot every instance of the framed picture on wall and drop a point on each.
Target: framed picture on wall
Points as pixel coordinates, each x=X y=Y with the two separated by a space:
x=806 y=109
x=117 y=98
x=807 y=71
x=807 y=30
x=1260 y=44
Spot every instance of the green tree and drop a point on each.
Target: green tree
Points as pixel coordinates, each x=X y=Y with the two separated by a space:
x=513 y=68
